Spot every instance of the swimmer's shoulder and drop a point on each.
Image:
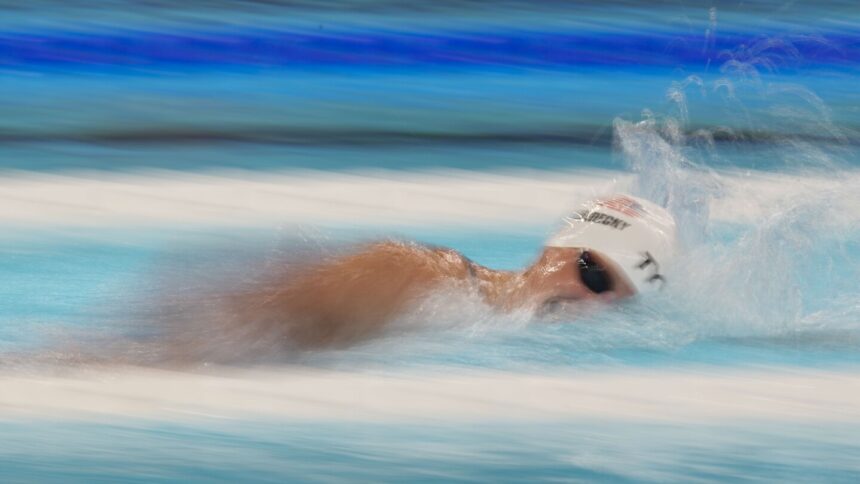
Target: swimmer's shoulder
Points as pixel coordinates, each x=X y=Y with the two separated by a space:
x=459 y=264
x=443 y=260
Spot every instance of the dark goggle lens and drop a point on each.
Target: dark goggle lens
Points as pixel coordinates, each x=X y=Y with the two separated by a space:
x=593 y=275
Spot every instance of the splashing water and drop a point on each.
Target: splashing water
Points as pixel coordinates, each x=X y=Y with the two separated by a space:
x=797 y=258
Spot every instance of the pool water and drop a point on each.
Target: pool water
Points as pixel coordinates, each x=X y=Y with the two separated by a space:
x=162 y=151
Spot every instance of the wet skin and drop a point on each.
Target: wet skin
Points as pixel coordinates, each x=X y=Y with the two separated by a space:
x=350 y=298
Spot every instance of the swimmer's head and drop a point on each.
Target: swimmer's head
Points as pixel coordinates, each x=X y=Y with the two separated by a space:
x=627 y=241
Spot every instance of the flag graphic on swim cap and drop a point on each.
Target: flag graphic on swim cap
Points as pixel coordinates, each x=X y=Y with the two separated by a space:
x=637 y=235
x=623 y=204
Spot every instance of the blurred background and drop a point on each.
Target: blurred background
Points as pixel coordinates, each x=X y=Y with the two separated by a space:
x=154 y=149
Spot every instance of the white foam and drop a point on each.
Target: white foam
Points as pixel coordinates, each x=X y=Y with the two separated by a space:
x=371 y=198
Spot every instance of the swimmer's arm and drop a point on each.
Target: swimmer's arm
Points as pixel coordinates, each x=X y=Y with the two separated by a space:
x=351 y=298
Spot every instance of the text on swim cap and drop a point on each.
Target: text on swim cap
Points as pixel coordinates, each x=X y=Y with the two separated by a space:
x=603 y=219
x=649 y=261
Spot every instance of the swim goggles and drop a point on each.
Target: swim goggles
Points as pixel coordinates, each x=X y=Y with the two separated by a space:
x=593 y=274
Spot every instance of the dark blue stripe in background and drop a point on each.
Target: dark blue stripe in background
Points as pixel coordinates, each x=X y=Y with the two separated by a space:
x=380 y=49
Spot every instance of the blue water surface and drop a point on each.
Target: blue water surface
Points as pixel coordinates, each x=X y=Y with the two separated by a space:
x=254 y=451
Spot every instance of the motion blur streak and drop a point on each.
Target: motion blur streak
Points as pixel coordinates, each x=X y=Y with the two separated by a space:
x=155 y=154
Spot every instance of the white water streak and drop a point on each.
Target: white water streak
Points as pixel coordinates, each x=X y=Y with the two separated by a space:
x=533 y=198
x=301 y=394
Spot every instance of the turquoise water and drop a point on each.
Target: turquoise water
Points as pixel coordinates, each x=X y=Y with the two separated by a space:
x=502 y=452
x=322 y=88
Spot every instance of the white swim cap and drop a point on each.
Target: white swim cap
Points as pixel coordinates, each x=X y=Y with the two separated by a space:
x=637 y=235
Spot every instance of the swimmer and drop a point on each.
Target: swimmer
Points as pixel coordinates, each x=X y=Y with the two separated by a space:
x=611 y=248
